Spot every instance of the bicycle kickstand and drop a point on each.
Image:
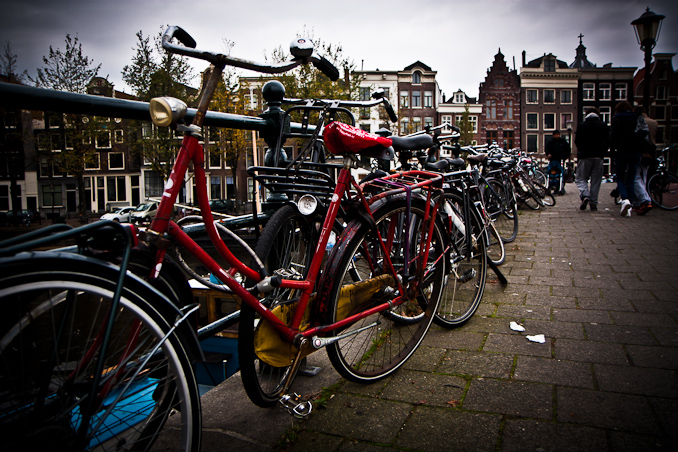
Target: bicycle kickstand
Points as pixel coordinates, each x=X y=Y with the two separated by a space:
x=294 y=403
x=500 y=275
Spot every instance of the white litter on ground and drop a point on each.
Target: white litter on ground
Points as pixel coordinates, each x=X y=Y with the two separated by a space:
x=537 y=338
x=516 y=327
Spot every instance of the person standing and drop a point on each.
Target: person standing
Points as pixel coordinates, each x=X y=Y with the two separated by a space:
x=557 y=150
x=642 y=202
x=593 y=141
x=625 y=152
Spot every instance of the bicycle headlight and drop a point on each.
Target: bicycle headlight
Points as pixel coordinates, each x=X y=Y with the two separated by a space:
x=307 y=204
x=166 y=110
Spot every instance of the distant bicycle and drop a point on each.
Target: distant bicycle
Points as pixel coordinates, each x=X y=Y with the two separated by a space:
x=662 y=186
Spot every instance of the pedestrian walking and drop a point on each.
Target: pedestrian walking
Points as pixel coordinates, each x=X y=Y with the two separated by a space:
x=557 y=150
x=625 y=152
x=592 y=139
x=642 y=202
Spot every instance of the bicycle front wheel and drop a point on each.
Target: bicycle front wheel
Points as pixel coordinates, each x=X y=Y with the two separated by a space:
x=663 y=189
x=285 y=248
x=374 y=347
x=52 y=396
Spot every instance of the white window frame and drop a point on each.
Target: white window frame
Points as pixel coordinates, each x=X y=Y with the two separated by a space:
x=553 y=115
x=527 y=96
x=588 y=91
x=428 y=99
x=416 y=99
x=561 y=96
x=605 y=90
x=620 y=91
x=553 y=97
x=404 y=99
x=527 y=121
x=122 y=154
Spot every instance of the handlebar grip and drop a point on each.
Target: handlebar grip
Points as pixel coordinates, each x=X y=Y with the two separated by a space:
x=389 y=109
x=326 y=67
x=174 y=31
x=455 y=128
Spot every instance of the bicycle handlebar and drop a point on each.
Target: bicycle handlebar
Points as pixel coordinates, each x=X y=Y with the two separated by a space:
x=301 y=49
x=338 y=103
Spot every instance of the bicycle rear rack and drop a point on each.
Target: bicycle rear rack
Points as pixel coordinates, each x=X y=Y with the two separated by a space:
x=294 y=182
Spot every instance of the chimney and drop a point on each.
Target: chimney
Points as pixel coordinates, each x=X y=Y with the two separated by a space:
x=523 y=58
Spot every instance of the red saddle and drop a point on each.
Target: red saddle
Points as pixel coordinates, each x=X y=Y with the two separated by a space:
x=341 y=138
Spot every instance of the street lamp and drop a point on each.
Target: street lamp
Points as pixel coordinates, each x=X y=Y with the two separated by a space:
x=647 y=29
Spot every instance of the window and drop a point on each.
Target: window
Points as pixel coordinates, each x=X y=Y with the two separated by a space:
x=473 y=120
x=404 y=126
x=566 y=96
x=459 y=98
x=214 y=157
x=606 y=114
x=549 y=65
x=416 y=99
x=532 y=143
x=659 y=138
x=491 y=136
x=605 y=91
x=565 y=118
x=416 y=77
x=116 y=161
x=532 y=121
x=103 y=139
x=428 y=121
x=620 y=91
x=499 y=82
x=446 y=119
x=94 y=162
x=589 y=91
x=532 y=96
x=51 y=196
x=115 y=188
x=508 y=139
x=404 y=99
x=661 y=93
x=549 y=96
x=118 y=136
x=215 y=187
x=364 y=95
x=549 y=121
x=4 y=197
x=508 y=111
x=674 y=112
x=366 y=127
x=491 y=110
x=416 y=124
x=428 y=99
x=659 y=112
x=230 y=187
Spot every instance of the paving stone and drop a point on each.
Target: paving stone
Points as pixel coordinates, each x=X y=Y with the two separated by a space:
x=637 y=380
x=481 y=364
x=606 y=410
x=641 y=319
x=440 y=429
x=554 y=329
x=632 y=442
x=454 y=339
x=554 y=371
x=514 y=398
x=361 y=418
x=424 y=388
x=658 y=357
x=581 y=316
x=525 y=434
x=524 y=312
x=425 y=358
x=625 y=334
x=315 y=441
x=590 y=352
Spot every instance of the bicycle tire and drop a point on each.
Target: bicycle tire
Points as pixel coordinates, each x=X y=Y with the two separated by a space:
x=502 y=210
x=663 y=189
x=539 y=176
x=546 y=197
x=47 y=369
x=465 y=282
x=528 y=195
x=496 y=251
x=285 y=248
x=376 y=346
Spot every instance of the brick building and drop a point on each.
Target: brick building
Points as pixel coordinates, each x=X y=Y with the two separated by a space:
x=500 y=97
x=663 y=96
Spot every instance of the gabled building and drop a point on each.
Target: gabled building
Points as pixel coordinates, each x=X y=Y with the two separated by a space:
x=452 y=111
x=500 y=96
x=373 y=119
x=418 y=98
x=548 y=101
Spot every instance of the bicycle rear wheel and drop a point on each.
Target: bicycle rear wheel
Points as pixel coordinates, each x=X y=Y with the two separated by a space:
x=502 y=210
x=663 y=189
x=376 y=346
x=465 y=282
x=55 y=309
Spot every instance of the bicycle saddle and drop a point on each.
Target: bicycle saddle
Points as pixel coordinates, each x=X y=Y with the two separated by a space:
x=342 y=138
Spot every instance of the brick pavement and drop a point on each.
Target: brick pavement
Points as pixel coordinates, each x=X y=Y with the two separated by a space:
x=602 y=289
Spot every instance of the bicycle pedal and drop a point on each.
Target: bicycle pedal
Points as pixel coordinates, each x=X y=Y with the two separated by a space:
x=309 y=371
x=296 y=406
x=467 y=275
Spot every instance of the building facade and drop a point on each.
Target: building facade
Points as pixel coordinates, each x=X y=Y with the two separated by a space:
x=500 y=98
x=549 y=101
x=453 y=111
x=663 y=96
x=418 y=98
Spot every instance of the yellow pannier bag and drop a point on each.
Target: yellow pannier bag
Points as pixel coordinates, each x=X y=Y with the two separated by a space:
x=274 y=351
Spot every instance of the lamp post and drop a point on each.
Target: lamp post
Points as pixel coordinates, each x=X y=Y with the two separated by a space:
x=647 y=29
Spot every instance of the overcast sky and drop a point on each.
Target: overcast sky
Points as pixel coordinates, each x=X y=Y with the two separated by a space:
x=456 y=38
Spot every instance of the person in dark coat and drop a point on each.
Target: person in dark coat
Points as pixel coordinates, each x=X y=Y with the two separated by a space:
x=557 y=150
x=625 y=153
x=593 y=141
